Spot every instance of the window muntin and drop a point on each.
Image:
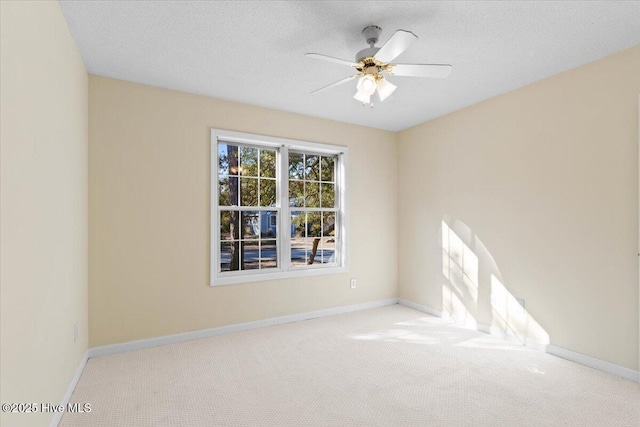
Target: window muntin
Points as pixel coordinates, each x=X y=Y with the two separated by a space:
x=265 y=186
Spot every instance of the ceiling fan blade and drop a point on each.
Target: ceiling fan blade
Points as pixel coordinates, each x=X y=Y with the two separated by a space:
x=398 y=43
x=339 y=82
x=436 y=71
x=331 y=59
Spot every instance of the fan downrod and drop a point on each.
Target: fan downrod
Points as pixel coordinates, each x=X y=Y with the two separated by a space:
x=371 y=34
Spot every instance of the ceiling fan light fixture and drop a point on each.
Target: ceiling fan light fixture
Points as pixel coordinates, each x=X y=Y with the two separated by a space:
x=371 y=62
x=367 y=85
x=385 y=88
x=363 y=97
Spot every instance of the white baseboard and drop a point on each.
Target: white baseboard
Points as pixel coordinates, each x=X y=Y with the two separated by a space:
x=57 y=416
x=425 y=309
x=554 y=350
x=592 y=362
x=205 y=333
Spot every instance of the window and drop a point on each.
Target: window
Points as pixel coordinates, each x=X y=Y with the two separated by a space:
x=277 y=208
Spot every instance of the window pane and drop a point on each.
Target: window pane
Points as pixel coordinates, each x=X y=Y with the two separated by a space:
x=229 y=256
x=249 y=191
x=225 y=256
x=312 y=258
x=328 y=237
x=328 y=168
x=250 y=255
x=228 y=191
x=234 y=190
x=223 y=191
x=268 y=224
x=229 y=225
x=267 y=192
x=328 y=250
x=250 y=225
x=223 y=160
x=296 y=165
x=248 y=161
x=312 y=170
x=228 y=159
x=328 y=195
x=312 y=193
x=314 y=234
x=268 y=254
x=298 y=248
x=268 y=163
x=296 y=193
x=314 y=224
x=328 y=223
x=298 y=224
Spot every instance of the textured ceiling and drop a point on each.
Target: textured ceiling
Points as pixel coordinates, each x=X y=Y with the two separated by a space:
x=252 y=52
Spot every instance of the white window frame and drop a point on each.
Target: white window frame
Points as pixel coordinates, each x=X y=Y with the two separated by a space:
x=285 y=269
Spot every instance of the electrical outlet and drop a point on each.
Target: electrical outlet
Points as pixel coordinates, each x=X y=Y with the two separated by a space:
x=76 y=332
x=353 y=283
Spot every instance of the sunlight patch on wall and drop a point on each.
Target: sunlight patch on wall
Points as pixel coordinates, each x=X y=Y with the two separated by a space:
x=473 y=293
x=460 y=268
x=512 y=317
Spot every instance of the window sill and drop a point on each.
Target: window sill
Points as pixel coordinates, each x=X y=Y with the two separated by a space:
x=277 y=275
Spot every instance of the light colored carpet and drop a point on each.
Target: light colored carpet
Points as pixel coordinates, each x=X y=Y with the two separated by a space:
x=390 y=366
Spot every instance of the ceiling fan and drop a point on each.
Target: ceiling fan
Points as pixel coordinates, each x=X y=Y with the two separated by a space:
x=371 y=62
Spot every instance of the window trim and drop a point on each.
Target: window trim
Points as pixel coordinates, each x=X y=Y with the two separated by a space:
x=284 y=270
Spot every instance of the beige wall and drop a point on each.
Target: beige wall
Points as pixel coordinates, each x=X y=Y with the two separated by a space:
x=540 y=186
x=43 y=206
x=149 y=214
